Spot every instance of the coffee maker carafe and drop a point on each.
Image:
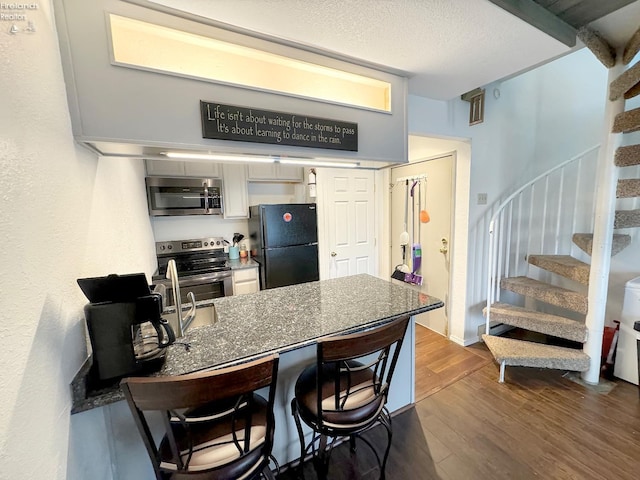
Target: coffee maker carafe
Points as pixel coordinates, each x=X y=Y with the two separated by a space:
x=127 y=332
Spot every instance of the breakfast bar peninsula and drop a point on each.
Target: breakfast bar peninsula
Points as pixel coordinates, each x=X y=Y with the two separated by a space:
x=288 y=321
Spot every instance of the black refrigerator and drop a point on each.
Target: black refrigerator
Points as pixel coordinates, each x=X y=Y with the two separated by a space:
x=284 y=241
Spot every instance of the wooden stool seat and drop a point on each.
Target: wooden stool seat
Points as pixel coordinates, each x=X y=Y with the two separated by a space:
x=361 y=402
x=216 y=426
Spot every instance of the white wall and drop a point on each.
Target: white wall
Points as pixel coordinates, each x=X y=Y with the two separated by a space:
x=65 y=215
x=532 y=122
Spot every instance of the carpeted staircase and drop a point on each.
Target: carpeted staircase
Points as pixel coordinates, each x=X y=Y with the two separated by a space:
x=557 y=329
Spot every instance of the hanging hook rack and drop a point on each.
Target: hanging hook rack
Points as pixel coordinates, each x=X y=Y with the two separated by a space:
x=411 y=178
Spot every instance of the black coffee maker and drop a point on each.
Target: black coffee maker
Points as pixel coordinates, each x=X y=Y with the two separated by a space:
x=127 y=332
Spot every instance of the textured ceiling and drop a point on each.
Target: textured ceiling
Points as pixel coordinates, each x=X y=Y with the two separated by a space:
x=447 y=47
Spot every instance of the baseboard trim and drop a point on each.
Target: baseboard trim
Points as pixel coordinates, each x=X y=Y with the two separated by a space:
x=494 y=329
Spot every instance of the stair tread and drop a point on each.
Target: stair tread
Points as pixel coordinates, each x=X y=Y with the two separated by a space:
x=627 y=156
x=627 y=218
x=627 y=122
x=625 y=81
x=547 y=293
x=540 y=322
x=632 y=92
x=564 y=265
x=631 y=48
x=530 y=354
x=585 y=242
x=628 y=188
x=598 y=46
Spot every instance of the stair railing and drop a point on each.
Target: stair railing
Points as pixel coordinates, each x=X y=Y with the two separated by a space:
x=540 y=217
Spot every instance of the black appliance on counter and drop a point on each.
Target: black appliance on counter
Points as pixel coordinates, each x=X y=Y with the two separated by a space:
x=127 y=332
x=202 y=266
x=284 y=240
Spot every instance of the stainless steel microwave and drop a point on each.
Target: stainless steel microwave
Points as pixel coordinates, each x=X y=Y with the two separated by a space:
x=184 y=196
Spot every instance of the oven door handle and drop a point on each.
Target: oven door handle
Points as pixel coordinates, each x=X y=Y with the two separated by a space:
x=206 y=196
x=205 y=278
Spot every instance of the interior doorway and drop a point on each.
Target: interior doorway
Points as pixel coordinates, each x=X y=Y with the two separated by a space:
x=421 y=206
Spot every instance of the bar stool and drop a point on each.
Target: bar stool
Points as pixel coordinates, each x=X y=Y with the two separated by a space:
x=344 y=394
x=216 y=427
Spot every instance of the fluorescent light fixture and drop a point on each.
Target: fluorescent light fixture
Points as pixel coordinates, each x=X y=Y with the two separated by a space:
x=220 y=157
x=318 y=163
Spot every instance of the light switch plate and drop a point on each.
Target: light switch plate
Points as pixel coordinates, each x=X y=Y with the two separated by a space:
x=482 y=199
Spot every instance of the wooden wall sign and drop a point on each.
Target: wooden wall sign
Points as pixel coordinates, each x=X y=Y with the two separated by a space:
x=230 y=122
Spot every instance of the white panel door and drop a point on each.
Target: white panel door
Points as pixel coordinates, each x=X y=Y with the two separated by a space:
x=346 y=213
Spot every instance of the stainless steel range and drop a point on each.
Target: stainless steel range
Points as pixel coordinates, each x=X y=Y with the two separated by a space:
x=202 y=267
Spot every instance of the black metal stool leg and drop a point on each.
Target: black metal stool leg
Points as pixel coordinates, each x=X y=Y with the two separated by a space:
x=267 y=473
x=303 y=450
x=321 y=461
x=385 y=420
x=352 y=443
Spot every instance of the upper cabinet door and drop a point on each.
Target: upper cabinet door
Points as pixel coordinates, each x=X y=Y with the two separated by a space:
x=262 y=171
x=172 y=168
x=274 y=172
x=165 y=168
x=235 y=194
x=290 y=172
x=202 y=169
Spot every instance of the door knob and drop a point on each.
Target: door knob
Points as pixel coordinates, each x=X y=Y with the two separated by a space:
x=333 y=254
x=445 y=246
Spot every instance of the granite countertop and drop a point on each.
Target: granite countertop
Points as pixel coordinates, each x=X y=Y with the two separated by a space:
x=280 y=320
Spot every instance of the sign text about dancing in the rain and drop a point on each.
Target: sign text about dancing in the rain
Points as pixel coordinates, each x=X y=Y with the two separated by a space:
x=230 y=122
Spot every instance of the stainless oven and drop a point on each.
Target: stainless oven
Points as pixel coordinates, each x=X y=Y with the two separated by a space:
x=202 y=267
x=204 y=287
x=184 y=196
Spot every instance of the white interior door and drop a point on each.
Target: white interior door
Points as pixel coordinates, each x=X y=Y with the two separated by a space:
x=346 y=222
x=434 y=237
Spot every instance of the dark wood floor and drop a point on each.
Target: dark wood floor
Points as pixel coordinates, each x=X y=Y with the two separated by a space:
x=536 y=425
x=440 y=362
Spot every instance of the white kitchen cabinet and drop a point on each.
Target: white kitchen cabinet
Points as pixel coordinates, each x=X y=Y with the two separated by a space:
x=262 y=171
x=290 y=172
x=165 y=168
x=202 y=169
x=172 y=168
x=235 y=192
x=274 y=172
x=245 y=281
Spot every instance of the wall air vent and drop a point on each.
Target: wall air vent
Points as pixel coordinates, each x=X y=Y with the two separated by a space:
x=476 y=105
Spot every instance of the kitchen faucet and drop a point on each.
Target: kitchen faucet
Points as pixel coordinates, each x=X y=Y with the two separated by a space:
x=182 y=323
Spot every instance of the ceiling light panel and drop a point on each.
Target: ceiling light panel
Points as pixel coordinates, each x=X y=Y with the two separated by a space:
x=144 y=45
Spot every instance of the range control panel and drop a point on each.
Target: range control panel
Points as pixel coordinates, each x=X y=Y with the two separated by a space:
x=190 y=246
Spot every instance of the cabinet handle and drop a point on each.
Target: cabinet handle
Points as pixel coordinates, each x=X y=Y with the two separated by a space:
x=333 y=254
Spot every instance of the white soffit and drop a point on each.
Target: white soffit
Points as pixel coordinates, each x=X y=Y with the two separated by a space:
x=619 y=26
x=448 y=46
